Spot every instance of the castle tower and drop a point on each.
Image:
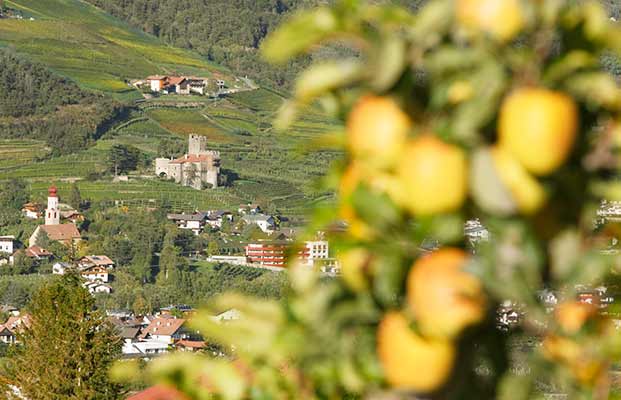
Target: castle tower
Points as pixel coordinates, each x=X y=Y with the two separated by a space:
x=197 y=144
x=52 y=215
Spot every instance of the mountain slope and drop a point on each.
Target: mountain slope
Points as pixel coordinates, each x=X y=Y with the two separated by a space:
x=35 y=103
x=96 y=50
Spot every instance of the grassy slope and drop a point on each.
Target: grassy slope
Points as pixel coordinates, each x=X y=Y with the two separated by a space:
x=96 y=50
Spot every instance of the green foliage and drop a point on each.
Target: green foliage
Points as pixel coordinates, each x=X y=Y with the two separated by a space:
x=37 y=103
x=75 y=198
x=66 y=356
x=122 y=159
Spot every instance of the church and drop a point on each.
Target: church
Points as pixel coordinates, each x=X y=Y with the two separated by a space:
x=67 y=234
x=199 y=168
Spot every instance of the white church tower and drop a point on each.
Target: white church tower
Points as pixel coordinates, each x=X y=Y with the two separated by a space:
x=52 y=215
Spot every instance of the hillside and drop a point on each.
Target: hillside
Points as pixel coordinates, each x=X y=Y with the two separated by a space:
x=228 y=32
x=94 y=49
x=85 y=51
x=36 y=103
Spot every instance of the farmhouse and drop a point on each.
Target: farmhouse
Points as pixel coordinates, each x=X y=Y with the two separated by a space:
x=32 y=210
x=194 y=222
x=67 y=234
x=265 y=222
x=177 y=84
x=199 y=168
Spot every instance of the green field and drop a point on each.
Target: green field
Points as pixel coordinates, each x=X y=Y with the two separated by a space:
x=94 y=49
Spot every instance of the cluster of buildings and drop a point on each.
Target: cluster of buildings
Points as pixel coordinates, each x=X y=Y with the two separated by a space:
x=184 y=85
x=151 y=335
x=96 y=270
x=53 y=229
x=199 y=168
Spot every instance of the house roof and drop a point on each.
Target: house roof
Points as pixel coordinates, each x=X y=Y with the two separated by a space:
x=99 y=260
x=254 y=218
x=187 y=217
x=163 y=326
x=156 y=77
x=61 y=232
x=128 y=332
x=192 y=158
x=175 y=80
x=17 y=324
x=70 y=213
x=192 y=344
x=159 y=392
x=32 y=207
x=38 y=251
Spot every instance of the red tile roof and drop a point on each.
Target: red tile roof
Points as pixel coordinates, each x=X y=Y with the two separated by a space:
x=193 y=344
x=17 y=324
x=62 y=232
x=192 y=158
x=163 y=326
x=37 y=251
x=159 y=392
x=96 y=260
x=175 y=80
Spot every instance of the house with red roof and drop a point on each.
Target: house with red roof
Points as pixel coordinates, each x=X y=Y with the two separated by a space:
x=165 y=329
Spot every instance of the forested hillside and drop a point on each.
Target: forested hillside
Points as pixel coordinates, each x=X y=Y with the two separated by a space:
x=36 y=103
x=228 y=32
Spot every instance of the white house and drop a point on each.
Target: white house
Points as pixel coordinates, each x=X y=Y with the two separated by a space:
x=146 y=348
x=60 y=268
x=194 y=222
x=216 y=218
x=7 y=244
x=94 y=274
x=265 y=222
x=314 y=250
x=97 y=287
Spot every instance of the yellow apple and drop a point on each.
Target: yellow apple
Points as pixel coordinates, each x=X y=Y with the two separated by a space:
x=433 y=175
x=377 y=129
x=443 y=297
x=410 y=361
x=502 y=19
x=538 y=127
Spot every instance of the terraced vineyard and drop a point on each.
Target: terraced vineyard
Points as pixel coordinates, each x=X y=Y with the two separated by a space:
x=96 y=50
x=16 y=153
x=143 y=192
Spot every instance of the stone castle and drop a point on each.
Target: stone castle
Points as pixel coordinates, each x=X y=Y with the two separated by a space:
x=199 y=168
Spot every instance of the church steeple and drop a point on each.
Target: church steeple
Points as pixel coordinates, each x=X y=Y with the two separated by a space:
x=52 y=215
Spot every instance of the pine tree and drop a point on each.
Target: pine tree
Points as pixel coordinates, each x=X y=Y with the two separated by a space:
x=66 y=352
